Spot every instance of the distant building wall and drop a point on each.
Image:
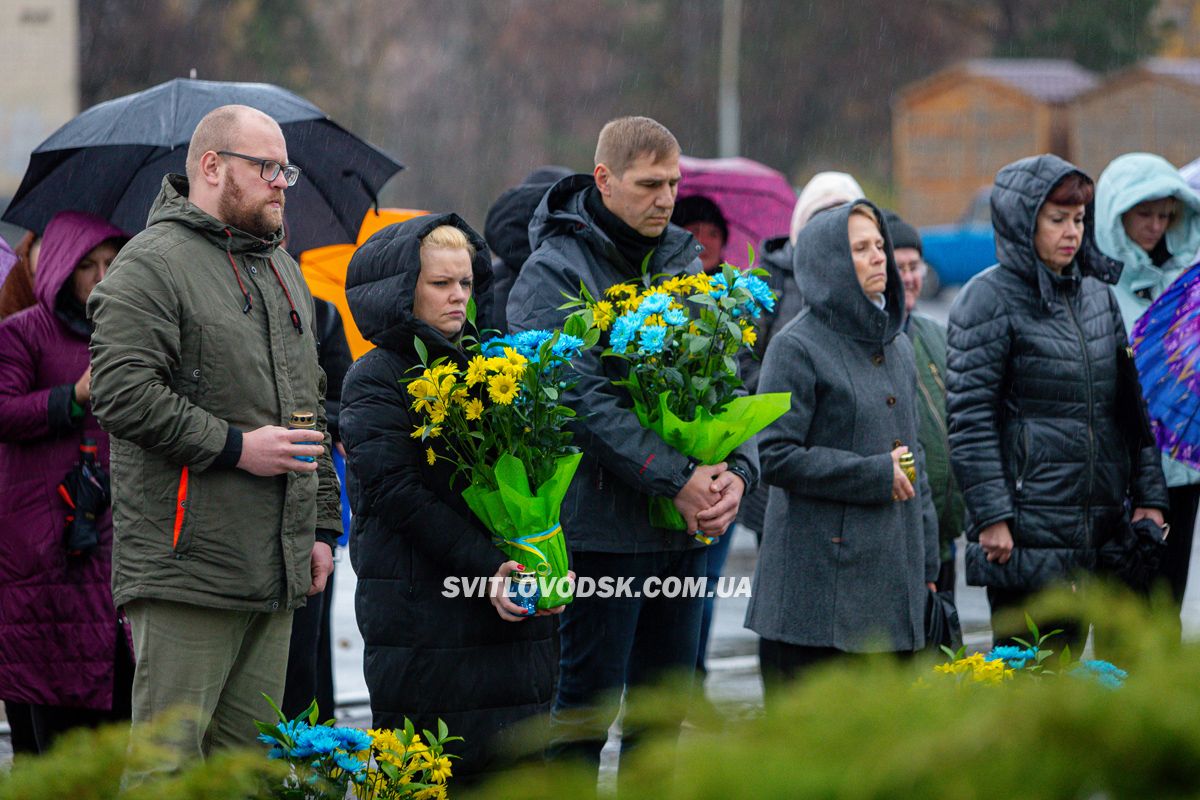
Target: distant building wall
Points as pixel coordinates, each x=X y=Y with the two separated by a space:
x=39 y=79
x=1138 y=112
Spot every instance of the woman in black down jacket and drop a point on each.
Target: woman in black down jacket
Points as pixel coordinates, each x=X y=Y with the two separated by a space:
x=471 y=661
x=1042 y=440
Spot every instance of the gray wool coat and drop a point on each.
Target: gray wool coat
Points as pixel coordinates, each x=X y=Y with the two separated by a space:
x=842 y=565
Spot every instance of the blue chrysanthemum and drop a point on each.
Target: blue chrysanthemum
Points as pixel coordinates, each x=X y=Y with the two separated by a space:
x=650 y=340
x=759 y=290
x=720 y=287
x=675 y=316
x=1015 y=657
x=1105 y=673
x=353 y=740
x=623 y=331
x=320 y=739
x=653 y=304
x=567 y=346
x=349 y=763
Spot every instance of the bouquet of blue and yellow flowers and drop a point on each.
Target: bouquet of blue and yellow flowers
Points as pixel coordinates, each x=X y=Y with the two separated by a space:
x=500 y=422
x=681 y=337
x=325 y=761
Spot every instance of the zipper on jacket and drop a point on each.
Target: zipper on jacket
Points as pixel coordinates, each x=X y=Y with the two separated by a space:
x=937 y=377
x=1091 y=462
x=180 y=507
x=1023 y=464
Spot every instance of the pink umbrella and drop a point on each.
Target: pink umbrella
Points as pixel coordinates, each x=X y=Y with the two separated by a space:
x=756 y=200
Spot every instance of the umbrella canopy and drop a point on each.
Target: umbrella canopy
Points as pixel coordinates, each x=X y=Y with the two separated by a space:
x=7 y=260
x=755 y=200
x=325 y=268
x=1165 y=340
x=111 y=159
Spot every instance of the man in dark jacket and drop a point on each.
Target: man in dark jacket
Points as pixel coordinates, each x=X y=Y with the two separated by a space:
x=507 y=233
x=203 y=348
x=597 y=230
x=928 y=338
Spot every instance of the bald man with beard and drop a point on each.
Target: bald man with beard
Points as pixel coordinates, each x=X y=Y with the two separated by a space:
x=224 y=518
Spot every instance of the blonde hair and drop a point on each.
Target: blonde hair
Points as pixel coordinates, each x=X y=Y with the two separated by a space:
x=866 y=211
x=448 y=237
x=625 y=139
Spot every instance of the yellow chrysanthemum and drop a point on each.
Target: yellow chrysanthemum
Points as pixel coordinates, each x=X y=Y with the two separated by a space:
x=654 y=319
x=460 y=396
x=441 y=371
x=474 y=408
x=676 y=285
x=618 y=290
x=701 y=282
x=431 y=456
x=439 y=771
x=421 y=387
x=436 y=792
x=514 y=357
x=496 y=364
x=502 y=389
x=476 y=370
x=386 y=746
x=749 y=336
x=515 y=371
x=418 y=432
x=422 y=406
x=437 y=414
x=602 y=315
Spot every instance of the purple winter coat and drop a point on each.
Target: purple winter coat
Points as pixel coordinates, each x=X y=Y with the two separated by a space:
x=58 y=626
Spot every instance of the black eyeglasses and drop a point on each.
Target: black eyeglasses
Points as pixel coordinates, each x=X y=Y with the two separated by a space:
x=268 y=170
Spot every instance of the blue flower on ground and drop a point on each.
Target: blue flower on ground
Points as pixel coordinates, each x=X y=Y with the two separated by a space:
x=675 y=316
x=353 y=740
x=349 y=763
x=653 y=304
x=1015 y=657
x=1107 y=674
x=623 y=331
x=321 y=739
x=651 y=339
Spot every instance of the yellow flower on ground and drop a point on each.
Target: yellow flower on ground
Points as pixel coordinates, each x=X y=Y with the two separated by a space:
x=476 y=370
x=431 y=456
x=502 y=389
x=749 y=336
x=474 y=408
x=602 y=315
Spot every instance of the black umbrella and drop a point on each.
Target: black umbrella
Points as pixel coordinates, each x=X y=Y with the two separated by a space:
x=111 y=159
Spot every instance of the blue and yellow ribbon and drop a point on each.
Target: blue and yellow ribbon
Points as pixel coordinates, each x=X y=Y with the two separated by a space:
x=527 y=543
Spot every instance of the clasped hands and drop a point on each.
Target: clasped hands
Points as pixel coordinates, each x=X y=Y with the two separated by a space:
x=709 y=501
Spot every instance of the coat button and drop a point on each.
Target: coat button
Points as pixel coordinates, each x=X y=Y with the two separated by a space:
x=891 y=401
x=254 y=270
x=275 y=605
x=195 y=373
x=877 y=359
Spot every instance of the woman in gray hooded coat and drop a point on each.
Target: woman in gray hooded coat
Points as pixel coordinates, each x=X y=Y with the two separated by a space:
x=849 y=549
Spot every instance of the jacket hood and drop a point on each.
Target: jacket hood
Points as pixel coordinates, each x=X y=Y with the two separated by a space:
x=563 y=209
x=507 y=226
x=172 y=205
x=1131 y=179
x=824 y=190
x=69 y=237
x=777 y=253
x=825 y=274
x=1020 y=192
x=382 y=279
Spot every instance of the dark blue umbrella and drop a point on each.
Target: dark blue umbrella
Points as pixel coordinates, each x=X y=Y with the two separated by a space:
x=1165 y=345
x=111 y=159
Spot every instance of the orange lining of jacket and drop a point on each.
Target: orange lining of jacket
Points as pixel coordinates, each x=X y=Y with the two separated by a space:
x=179 y=508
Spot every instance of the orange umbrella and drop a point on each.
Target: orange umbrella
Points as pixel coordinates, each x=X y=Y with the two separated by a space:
x=325 y=269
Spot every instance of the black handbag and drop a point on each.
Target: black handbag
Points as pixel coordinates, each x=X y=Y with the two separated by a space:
x=942 y=628
x=1135 y=555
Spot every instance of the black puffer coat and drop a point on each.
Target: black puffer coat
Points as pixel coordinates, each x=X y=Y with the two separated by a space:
x=1039 y=433
x=427 y=656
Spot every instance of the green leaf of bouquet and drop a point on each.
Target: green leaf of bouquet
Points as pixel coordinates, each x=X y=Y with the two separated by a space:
x=590 y=338
x=750 y=254
x=1023 y=643
x=550 y=392
x=274 y=707
x=1033 y=628
x=1065 y=659
x=471 y=311
x=730 y=365
x=443 y=731
x=422 y=351
x=267 y=729
x=575 y=326
x=564 y=411
x=311 y=712
x=949 y=653
x=704 y=299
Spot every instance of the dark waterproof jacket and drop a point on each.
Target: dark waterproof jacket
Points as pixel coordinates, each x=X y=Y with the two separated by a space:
x=58 y=626
x=929 y=343
x=427 y=656
x=607 y=507
x=776 y=258
x=1040 y=433
x=841 y=563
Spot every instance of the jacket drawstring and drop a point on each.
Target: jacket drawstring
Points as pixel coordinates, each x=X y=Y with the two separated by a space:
x=294 y=315
x=236 y=273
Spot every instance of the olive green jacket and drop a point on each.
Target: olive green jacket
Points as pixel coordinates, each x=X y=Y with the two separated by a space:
x=929 y=342
x=179 y=370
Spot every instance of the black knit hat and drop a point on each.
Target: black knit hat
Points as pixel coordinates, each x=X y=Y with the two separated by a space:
x=698 y=208
x=903 y=234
